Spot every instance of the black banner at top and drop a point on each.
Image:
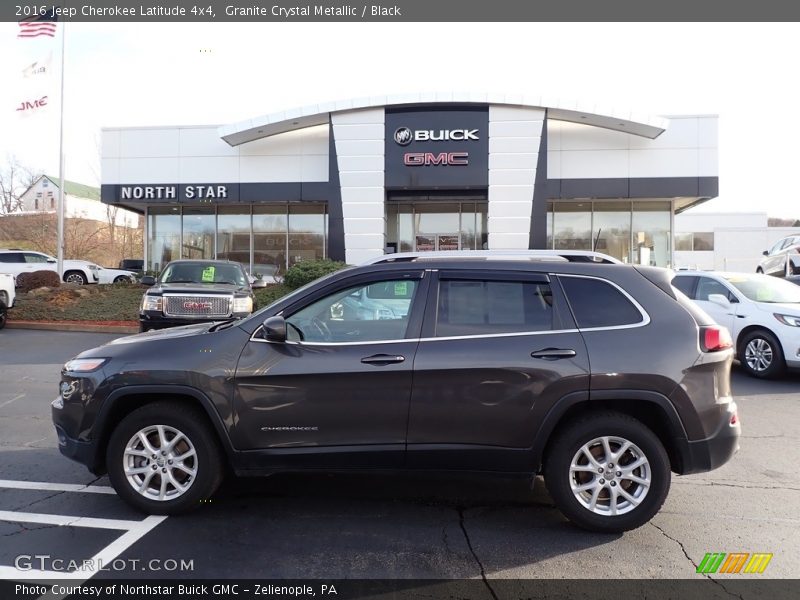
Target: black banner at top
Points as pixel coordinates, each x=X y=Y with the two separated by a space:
x=141 y=11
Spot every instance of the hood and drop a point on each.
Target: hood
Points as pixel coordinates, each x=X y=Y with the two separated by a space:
x=196 y=288
x=164 y=334
x=784 y=308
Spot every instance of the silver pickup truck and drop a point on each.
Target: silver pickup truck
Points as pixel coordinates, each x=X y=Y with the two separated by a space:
x=7 y=296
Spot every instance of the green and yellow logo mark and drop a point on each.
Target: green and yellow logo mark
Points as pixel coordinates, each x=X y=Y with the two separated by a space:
x=736 y=562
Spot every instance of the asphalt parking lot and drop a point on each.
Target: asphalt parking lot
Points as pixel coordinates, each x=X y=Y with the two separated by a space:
x=381 y=526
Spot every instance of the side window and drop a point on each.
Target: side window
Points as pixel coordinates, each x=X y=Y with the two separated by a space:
x=597 y=303
x=31 y=257
x=10 y=257
x=707 y=286
x=476 y=307
x=777 y=247
x=684 y=284
x=364 y=313
x=789 y=242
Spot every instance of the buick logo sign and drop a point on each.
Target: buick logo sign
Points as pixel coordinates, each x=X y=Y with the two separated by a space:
x=403 y=136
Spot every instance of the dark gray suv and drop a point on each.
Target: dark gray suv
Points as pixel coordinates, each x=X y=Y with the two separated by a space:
x=601 y=377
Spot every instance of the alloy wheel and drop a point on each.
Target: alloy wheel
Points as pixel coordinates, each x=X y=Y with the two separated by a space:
x=160 y=462
x=758 y=355
x=610 y=475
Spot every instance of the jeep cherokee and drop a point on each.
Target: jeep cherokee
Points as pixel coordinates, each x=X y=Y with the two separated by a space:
x=601 y=377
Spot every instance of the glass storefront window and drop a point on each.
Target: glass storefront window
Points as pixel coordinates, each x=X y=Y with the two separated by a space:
x=163 y=236
x=650 y=227
x=572 y=226
x=270 y=231
x=199 y=225
x=425 y=226
x=611 y=229
x=233 y=234
x=306 y=232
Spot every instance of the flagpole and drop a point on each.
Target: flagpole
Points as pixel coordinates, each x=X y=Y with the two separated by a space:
x=61 y=189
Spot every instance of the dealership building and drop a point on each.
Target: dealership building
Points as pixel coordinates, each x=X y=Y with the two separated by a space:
x=353 y=179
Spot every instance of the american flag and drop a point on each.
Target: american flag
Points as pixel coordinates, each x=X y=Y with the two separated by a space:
x=38 y=25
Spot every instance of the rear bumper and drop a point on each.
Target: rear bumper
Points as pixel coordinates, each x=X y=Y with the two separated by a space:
x=711 y=453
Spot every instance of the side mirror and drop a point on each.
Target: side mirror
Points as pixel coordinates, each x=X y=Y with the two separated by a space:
x=720 y=300
x=765 y=253
x=51 y=261
x=258 y=284
x=148 y=280
x=274 y=329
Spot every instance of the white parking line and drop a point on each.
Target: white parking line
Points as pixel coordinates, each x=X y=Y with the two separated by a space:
x=14 y=399
x=55 y=487
x=134 y=531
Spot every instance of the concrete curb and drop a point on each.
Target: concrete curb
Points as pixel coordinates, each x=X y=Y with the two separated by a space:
x=56 y=326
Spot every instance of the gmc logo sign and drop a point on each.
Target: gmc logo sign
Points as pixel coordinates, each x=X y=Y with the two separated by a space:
x=197 y=305
x=424 y=159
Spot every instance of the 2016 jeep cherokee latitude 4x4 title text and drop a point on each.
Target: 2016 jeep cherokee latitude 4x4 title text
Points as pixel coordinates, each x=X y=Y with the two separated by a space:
x=602 y=377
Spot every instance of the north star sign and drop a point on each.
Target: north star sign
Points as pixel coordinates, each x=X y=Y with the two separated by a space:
x=170 y=192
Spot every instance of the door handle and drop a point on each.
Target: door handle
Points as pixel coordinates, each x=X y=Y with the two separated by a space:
x=383 y=359
x=553 y=353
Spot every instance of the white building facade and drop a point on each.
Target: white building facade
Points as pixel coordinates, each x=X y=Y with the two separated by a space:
x=725 y=241
x=351 y=180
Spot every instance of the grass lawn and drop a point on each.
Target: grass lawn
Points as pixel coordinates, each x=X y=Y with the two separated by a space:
x=118 y=302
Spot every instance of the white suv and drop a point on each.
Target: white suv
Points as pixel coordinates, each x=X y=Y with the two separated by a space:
x=15 y=262
x=7 y=296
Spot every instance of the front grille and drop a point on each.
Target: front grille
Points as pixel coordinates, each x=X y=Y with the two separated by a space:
x=197 y=306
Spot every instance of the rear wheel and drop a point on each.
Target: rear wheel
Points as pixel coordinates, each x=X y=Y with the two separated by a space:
x=760 y=354
x=607 y=472
x=75 y=277
x=164 y=458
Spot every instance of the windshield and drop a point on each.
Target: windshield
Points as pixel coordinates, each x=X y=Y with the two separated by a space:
x=200 y=272
x=763 y=288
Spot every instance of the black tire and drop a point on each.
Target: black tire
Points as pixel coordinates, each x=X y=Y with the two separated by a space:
x=759 y=270
x=193 y=424
x=777 y=364
x=143 y=328
x=75 y=277
x=121 y=279
x=3 y=315
x=566 y=445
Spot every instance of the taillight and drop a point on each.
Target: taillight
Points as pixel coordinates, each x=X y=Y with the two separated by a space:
x=715 y=338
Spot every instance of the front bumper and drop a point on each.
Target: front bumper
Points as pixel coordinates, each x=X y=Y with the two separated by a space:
x=714 y=451
x=155 y=320
x=84 y=452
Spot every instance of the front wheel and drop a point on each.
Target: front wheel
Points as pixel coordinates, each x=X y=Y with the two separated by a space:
x=607 y=472
x=122 y=279
x=760 y=355
x=164 y=459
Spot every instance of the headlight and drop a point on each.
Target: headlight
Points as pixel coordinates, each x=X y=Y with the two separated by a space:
x=84 y=365
x=241 y=305
x=789 y=320
x=152 y=302
x=94 y=267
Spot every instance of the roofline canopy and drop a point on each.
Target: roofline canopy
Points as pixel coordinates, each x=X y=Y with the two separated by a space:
x=624 y=121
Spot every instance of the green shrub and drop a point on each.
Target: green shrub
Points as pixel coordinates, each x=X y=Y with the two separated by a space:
x=308 y=270
x=30 y=281
x=268 y=295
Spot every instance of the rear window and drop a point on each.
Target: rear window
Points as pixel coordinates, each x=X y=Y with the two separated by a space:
x=475 y=307
x=596 y=303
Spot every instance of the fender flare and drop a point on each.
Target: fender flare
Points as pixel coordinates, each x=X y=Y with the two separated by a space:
x=100 y=427
x=558 y=410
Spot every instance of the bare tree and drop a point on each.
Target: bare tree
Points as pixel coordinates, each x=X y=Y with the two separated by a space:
x=15 y=179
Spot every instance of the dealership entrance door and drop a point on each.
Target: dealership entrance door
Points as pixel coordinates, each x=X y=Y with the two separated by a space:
x=430 y=221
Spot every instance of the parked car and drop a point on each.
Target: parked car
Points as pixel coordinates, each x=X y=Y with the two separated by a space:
x=485 y=365
x=116 y=275
x=196 y=291
x=794 y=279
x=783 y=259
x=762 y=313
x=570 y=255
x=16 y=262
x=7 y=297
x=132 y=264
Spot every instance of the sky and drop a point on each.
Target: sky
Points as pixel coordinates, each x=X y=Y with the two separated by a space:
x=213 y=73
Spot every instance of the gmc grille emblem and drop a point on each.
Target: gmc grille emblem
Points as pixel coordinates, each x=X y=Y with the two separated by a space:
x=197 y=305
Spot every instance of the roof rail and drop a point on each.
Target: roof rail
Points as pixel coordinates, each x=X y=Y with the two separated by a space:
x=531 y=255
